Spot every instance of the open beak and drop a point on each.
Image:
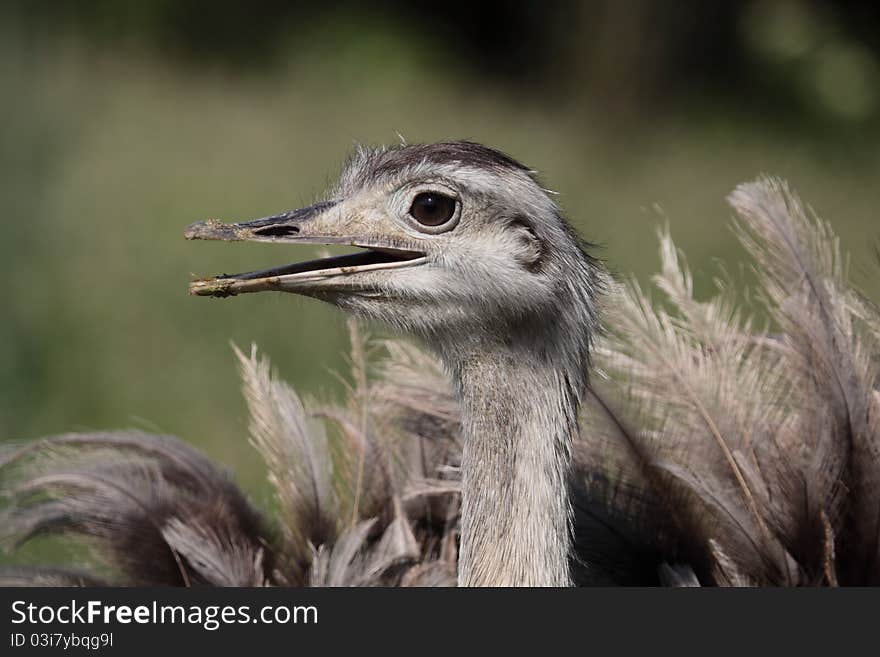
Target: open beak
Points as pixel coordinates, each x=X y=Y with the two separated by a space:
x=304 y=226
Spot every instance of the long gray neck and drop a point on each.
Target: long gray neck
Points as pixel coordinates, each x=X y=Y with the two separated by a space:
x=518 y=420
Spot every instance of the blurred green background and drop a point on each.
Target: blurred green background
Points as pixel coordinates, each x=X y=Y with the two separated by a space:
x=125 y=121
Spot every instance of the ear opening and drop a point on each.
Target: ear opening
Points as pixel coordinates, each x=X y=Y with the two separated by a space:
x=532 y=255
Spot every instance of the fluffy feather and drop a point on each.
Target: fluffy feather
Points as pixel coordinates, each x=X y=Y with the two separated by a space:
x=153 y=510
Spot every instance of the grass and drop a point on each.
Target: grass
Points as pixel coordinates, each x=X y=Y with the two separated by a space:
x=107 y=156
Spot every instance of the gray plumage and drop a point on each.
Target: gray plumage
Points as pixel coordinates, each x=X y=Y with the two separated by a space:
x=153 y=509
x=704 y=450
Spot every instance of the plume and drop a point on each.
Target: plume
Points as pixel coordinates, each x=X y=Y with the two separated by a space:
x=298 y=457
x=757 y=448
x=829 y=338
x=152 y=509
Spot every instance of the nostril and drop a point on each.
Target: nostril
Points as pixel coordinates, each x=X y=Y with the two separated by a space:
x=277 y=231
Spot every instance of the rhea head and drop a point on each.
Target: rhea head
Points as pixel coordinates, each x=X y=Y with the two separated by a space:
x=461 y=246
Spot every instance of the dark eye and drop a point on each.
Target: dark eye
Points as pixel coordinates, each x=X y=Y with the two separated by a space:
x=432 y=209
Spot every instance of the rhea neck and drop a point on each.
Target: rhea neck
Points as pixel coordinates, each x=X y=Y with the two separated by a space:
x=519 y=416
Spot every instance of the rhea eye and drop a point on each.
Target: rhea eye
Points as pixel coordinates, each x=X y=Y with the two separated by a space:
x=432 y=209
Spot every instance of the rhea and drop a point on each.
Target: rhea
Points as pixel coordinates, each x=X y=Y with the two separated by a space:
x=463 y=248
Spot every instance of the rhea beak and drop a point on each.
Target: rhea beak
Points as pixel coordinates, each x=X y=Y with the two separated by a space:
x=316 y=224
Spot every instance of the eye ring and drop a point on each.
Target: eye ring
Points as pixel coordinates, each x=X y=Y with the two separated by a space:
x=434 y=212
